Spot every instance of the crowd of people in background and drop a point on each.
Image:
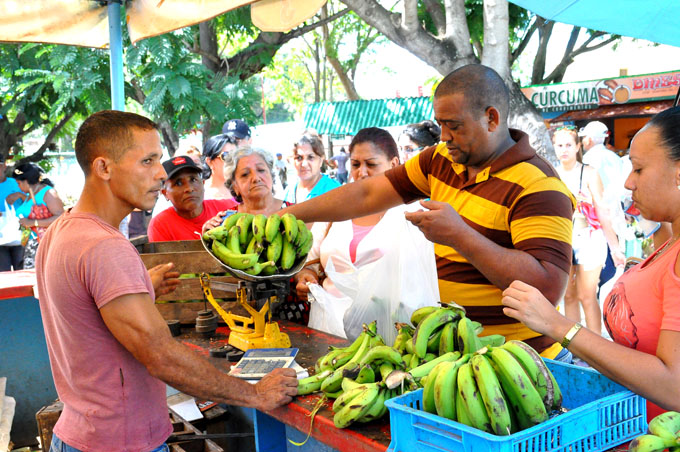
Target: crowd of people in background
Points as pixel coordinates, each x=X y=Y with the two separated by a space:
x=229 y=175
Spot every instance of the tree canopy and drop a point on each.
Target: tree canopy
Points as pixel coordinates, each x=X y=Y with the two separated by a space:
x=199 y=76
x=196 y=77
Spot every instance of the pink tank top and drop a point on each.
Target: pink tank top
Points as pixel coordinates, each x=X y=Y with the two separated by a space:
x=359 y=232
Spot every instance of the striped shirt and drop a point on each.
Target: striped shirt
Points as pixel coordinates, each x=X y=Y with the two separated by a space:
x=517 y=202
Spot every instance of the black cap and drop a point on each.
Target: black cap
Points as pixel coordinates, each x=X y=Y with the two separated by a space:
x=236 y=128
x=178 y=163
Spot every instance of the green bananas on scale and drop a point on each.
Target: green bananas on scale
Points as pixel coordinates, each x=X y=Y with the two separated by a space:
x=260 y=245
x=664 y=433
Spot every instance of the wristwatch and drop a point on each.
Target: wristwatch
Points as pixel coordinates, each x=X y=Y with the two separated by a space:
x=570 y=335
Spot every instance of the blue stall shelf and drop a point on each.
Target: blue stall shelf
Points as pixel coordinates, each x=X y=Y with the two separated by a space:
x=24 y=361
x=601 y=414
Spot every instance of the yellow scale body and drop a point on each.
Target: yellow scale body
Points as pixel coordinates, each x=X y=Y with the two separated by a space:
x=257 y=331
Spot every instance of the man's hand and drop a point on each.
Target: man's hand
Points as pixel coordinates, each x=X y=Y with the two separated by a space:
x=275 y=389
x=214 y=221
x=438 y=223
x=528 y=305
x=302 y=278
x=163 y=279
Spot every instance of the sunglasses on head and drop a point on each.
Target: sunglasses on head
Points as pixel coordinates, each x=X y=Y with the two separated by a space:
x=568 y=127
x=411 y=150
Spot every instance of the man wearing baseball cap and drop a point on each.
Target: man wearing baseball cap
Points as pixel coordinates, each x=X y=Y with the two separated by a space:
x=184 y=189
x=596 y=154
x=239 y=130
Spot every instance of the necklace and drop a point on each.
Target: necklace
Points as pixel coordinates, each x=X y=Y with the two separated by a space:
x=666 y=245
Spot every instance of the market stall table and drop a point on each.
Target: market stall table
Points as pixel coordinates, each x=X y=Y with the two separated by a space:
x=270 y=430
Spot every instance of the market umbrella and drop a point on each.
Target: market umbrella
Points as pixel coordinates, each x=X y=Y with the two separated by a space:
x=97 y=23
x=656 y=21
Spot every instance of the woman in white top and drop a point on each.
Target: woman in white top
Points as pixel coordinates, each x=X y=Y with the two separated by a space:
x=386 y=237
x=592 y=230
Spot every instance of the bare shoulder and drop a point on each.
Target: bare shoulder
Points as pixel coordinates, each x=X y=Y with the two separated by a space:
x=52 y=193
x=591 y=175
x=589 y=171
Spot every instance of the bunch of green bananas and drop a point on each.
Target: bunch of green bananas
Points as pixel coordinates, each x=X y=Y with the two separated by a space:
x=438 y=331
x=355 y=374
x=664 y=433
x=361 y=402
x=258 y=244
x=500 y=390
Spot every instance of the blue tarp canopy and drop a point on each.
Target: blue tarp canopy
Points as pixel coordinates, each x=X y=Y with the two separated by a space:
x=653 y=20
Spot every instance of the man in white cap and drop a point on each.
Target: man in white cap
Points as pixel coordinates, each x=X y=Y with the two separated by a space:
x=596 y=154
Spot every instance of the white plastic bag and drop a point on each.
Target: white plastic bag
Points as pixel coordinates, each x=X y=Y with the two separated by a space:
x=388 y=289
x=327 y=311
x=10 y=229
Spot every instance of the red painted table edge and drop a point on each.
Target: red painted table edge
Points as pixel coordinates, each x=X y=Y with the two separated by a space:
x=17 y=284
x=324 y=430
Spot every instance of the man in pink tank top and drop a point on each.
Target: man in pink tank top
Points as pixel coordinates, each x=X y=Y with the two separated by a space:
x=110 y=350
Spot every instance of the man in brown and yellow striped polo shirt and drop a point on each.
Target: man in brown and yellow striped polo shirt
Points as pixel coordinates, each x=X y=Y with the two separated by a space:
x=497 y=211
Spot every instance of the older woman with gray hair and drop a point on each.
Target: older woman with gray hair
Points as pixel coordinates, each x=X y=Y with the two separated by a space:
x=249 y=175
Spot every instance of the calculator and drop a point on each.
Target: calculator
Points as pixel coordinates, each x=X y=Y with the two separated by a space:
x=256 y=363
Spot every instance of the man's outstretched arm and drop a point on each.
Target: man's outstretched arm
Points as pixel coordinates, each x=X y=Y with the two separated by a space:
x=138 y=326
x=364 y=197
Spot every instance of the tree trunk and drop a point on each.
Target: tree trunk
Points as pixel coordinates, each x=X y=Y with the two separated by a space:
x=40 y=153
x=317 y=73
x=170 y=137
x=347 y=83
x=544 y=32
x=7 y=138
x=208 y=45
x=525 y=117
x=496 y=52
x=205 y=132
x=454 y=51
x=250 y=60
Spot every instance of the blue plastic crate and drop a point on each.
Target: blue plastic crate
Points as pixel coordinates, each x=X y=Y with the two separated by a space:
x=602 y=414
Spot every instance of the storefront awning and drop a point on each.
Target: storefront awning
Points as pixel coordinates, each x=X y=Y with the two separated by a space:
x=615 y=111
x=347 y=118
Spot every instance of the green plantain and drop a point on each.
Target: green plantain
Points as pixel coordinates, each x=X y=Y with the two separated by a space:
x=290 y=227
x=492 y=395
x=233 y=260
x=272 y=227
x=429 y=325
